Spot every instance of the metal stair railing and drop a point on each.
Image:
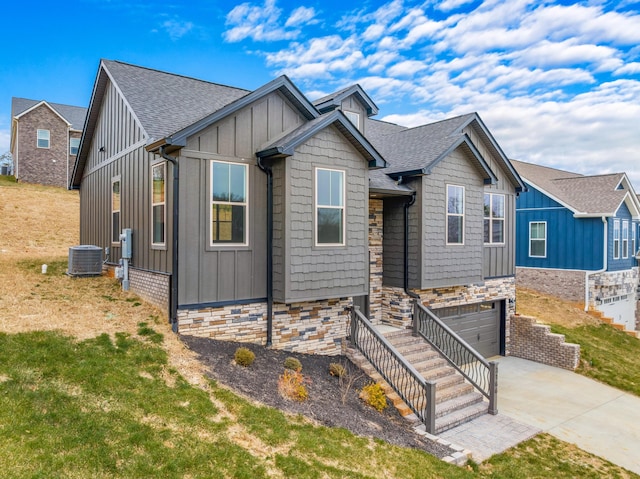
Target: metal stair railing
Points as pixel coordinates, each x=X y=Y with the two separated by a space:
x=481 y=374
x=417 y=393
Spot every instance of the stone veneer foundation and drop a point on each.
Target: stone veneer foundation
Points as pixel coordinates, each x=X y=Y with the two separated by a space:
x=317 y=327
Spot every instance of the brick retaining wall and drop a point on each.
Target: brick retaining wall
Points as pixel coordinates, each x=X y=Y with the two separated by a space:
x=536 y=342
x=152 y=287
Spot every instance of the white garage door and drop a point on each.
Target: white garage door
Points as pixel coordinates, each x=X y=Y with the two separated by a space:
x=622 y=309
x=478 y=324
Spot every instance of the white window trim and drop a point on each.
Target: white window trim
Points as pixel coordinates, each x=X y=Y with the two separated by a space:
x=77 y=147
x=213 y=244
x=116 y=179
x=625 y=239
x=634 y=233
x=490 y=218
x=343 y=208
x=616 y=241
x=164 y=224
x=531 y=223
x=447 y=214
x=48 y=139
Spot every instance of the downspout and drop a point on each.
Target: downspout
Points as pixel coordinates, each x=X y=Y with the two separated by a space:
x=409 y=203
x=173 y=301
x=604 y=265
x=269 y=172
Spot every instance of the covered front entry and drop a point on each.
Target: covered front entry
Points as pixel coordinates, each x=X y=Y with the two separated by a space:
x=478 y=324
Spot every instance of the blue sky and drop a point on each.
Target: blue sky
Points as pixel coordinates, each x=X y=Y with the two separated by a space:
x=557 y=83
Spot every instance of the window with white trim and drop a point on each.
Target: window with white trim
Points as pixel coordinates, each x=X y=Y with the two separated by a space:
x=538 y=239
x=330 y=207
x=229 y=203
x=634 y=234
x=44 y=138
x=625 y=239
x=353 y=117
x=115 y=210
x=455 y=214
x=74 y=143
x=493 y=218
x=616 y=239
x=158 y=210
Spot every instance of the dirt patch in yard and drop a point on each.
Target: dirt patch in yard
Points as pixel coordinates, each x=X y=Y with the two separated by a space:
x=551 y=310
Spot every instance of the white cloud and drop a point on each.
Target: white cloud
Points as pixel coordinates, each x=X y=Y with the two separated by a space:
x=262 y=23
x=300 y=16
x=448 y=5
x=177 y=28
x=628 y=69
x=406 y=68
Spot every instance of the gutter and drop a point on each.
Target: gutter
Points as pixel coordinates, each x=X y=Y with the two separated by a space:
x=173 y=301
x=409 y=202
x=269 y=172
x=604 y=265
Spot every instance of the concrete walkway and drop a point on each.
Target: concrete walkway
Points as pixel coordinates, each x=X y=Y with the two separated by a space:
x=533 y=397
x=597 y=418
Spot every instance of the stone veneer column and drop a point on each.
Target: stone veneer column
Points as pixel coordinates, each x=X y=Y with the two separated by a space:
x=375 y=261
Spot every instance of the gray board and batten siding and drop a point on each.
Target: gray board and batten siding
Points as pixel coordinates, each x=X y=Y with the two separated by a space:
x=216 y=274
x=117 y=151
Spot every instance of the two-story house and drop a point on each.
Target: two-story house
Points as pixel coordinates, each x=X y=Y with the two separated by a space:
x=577 y=238
x=44 y=140
x=261 y=216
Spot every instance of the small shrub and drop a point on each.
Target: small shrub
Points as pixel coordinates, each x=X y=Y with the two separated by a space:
x=293 y=364
x=291 y=385
x=374 y=396
x=337 y=370
x=244 y=357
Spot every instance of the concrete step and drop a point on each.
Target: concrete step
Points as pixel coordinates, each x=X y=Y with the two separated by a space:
x=458 y=403
x=460 y=416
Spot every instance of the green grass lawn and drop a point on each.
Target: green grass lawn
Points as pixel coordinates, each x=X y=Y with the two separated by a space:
x=608 y=355
x=111 y=407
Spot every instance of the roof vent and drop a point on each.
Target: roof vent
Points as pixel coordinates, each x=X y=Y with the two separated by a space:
x=85 y=260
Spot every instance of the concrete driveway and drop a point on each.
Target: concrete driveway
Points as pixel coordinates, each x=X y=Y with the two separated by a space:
x=597 y=418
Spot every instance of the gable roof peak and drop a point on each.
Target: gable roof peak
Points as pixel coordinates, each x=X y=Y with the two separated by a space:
x=334 y=100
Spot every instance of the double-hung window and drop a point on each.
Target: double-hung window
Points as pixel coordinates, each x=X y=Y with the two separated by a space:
x=634 y=234
x=616 y=239
x=625 y=239
x=158 y=210
x=493 y=218
x=330 y=209
x=455 y=214
x=74 y=143
x=229 y=185
x=115 y=210
x=44 y=138
x=538 y=239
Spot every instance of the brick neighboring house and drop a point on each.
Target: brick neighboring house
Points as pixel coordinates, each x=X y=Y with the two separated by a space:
x=44 y=140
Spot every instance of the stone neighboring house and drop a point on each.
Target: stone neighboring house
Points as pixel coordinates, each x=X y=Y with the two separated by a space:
x=577 y=238
x=44 y=140
x=260 y=216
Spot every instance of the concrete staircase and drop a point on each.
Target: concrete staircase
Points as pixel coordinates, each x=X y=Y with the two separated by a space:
x=456 y=400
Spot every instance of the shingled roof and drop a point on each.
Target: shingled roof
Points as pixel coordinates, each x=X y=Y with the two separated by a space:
x=593 y=195
x=74 y=115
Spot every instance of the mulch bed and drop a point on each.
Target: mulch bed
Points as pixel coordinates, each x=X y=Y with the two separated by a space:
x=330 y=402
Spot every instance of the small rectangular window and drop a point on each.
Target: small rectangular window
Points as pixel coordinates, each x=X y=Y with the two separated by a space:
x=229 y=185
x=616 y=239
x=625 y=239
x=538 y=239
x=74 y=143
x=115 y=210
x=44 y=137
x=493 y=218
x=158 y=192
x=330 y=210
x=455 y=214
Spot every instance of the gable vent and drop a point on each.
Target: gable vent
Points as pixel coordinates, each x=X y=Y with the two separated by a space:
x=85 y=260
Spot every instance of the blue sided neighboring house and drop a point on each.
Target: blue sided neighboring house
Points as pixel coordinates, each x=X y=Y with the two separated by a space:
x=577 y=238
